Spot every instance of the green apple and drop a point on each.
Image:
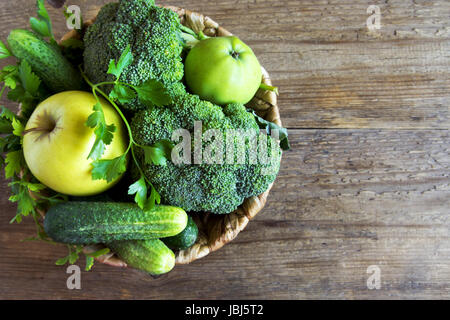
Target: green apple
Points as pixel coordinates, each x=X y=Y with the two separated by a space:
x=223 y=70
x=57 y=143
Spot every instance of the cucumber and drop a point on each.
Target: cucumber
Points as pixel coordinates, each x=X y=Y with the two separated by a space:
x=78 y=222
x=185 y=239
x=46 y=61
x=151 y=256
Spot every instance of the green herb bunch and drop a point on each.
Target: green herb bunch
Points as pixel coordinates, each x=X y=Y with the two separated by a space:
x=150 y=93
x=23 y=86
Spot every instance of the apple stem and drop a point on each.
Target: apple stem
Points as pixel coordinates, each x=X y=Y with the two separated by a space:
x=235 y=54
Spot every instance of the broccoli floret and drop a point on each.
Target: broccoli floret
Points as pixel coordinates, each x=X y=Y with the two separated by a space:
x=154 y=36
x=216 y=188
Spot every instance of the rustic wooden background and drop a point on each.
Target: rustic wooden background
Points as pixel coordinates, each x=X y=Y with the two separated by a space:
x=366 y=182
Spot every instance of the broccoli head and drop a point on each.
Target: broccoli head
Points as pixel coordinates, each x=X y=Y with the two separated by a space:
x=153 y=34
x=206 y=187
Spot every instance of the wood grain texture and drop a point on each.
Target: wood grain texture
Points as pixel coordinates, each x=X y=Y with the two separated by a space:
x=344 y=200
x=366 y=183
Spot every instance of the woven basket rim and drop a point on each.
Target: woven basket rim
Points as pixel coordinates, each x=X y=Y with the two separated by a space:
x=214 y=230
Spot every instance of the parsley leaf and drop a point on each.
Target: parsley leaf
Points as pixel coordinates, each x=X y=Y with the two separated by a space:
x=154 y=198
x=55 y=199
x=159 y=153
x=153 y=92
x=4 y=52
x=24 y=86
x=62 y=261
x=19 y=94
x=154 y=156
x=103 y=132
x=109 y=169
x=98 y=253
x=89 y=263
x=6 y=119
x=10 y=82
x=90 y=257
x=7 y=114
x=10 y=143
x=42 y=25
x=5 y=126
x=140 y=189
x=122 y=93
x=34 y=187
x=18 y=127
x=72 y=257
x=124 y=61
x=269 y=126
x=14 y=163
x=9 y=75
x=26 y=204
x=30 y=81
x=9 y=68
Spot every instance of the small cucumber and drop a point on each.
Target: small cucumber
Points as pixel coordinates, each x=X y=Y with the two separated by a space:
x=78 y=222
x=46 y=60
x=185 y=239
x=151 y=256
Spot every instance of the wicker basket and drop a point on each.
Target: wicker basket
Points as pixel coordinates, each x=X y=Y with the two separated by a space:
x=214 y=230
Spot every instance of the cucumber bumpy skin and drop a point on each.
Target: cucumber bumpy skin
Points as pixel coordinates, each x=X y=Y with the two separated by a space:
x=151 y=256
x=103 y=222
x=46 y=61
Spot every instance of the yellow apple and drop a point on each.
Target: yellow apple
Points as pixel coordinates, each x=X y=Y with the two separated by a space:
x=57 y=143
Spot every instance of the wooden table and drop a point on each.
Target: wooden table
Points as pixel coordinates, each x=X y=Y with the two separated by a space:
x=365 y=184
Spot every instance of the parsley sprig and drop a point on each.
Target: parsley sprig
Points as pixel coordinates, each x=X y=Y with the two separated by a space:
x=269 y=126
x=74 y=255
x=31 y=196
x=151 y=93
x=24 y=86
x=42 y=24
